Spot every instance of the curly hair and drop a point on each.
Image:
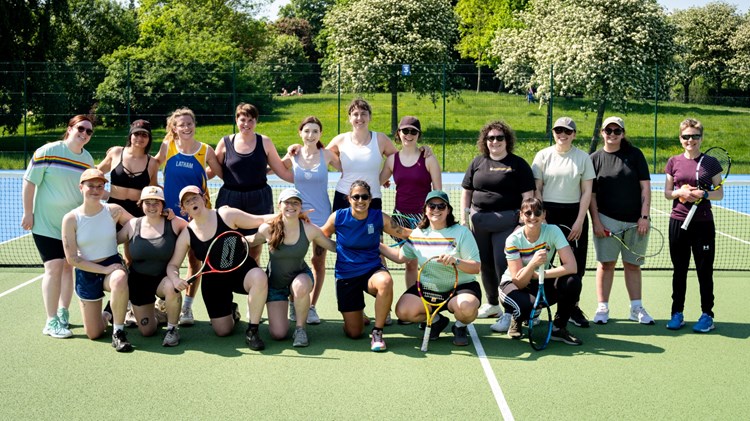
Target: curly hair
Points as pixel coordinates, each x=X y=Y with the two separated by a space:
x=510 y=136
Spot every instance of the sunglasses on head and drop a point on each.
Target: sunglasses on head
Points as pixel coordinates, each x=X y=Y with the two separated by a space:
x=357 y=197
x=496 y=138
x=615 y=131
x=565 y=130
x=438 y=206
x=691 y=136
x=412 y=132
x=82 y=129
x=528 y=213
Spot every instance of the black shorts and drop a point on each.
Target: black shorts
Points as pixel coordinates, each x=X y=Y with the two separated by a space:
x=129 y=205
x=472 y=288
x=49 y=248
x=256 y=202
x=143 y=287
x=340 y=201
x=217 y=289
x=349 y=291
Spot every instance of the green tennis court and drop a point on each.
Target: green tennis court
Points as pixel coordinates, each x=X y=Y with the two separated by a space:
x=623 y=370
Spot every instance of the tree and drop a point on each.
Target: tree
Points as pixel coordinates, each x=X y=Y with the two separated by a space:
x=370 y=39
x=739 y=65
x=703 y=44
x=604 y=49
x=287 y=64
x=312 y=11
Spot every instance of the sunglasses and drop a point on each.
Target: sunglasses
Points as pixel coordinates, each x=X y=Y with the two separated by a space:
x=560 y=130
x=497 y=138
x=412 y=132
x=438 y=206
x=82 y=129
x=615 y=131
x=358 y=197
x=691 y=136
x=528 y=213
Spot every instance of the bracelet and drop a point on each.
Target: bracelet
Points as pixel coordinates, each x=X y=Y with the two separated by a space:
x=646 y=217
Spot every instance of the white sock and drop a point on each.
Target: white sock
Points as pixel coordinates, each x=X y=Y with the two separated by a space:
x=187 y=302
x=437 y=317
x=604 y=304
x=50 y=318
x=171 y=326
x=636 y=303
x=118 y=327
x=459 y=323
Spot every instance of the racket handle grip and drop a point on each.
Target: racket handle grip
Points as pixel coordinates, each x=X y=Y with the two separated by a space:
x=689 y=216
x=426 y=338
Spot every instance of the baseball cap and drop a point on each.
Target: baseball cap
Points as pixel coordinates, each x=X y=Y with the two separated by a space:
x=613 y=120
x=151 y=192
x=190 y=189
x=289 y=193
x=565 y=122
x=439 y=194
x=92 y=174
x=411 y=122
x=140 y=126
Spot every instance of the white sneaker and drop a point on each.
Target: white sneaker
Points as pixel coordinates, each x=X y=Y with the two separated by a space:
x=388 y=320
x=56 y=330
x=186 y=317
x=488 y=310
x=640 y=315
x=292 y=313
x=602 y=315
x=502 y=324
x=312 y=316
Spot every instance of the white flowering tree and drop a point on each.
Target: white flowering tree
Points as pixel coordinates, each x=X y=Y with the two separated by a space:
x=605 y=50
x=369 y=40
x=739 y=65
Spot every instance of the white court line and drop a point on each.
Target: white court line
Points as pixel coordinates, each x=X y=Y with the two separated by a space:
x=494 y=385
x=20 y=286
x=14 y=239
x=731 y=237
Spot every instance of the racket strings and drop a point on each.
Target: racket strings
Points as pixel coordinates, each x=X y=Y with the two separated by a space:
x=715 y=161
x=230 y=254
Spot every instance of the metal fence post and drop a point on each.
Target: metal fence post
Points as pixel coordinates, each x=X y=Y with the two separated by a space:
x=656 y=110
x=444 y=139
x=127 y=67
x=338 y=102
x=25 y=116
x=550 y=103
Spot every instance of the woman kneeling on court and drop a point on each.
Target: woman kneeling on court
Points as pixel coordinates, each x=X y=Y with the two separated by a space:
x=150 y=246
x=358 y=266
x=90 y=243
x=288 y=274
x=527 y=249
x=217 y=288
x=439 y=234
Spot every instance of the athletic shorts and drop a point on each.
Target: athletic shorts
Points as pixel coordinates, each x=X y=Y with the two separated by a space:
x=217 y=289
x=256 y=202
x=608 y=249
x=349 y=292
x=143 y=287
x=282 y=294
x=340 y=201
x=49 y=248
x=472 y=288
x=89 y=285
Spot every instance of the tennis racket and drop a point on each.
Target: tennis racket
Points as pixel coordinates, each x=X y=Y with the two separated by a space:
x=714 y=161
x=227 y=252
x=406 y=220
x=654 y=245
x=539 y=334
x=436 y=284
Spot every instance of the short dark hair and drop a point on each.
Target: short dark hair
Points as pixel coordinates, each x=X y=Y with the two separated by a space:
x=359 y=103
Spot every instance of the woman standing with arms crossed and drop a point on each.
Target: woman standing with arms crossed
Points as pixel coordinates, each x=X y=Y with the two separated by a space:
x=700 y=237
x=310 y=168
x=185 y=160
x=415 y=176
x=493 y=187
x=621 y=198
x=564 y=177
x=50 y=190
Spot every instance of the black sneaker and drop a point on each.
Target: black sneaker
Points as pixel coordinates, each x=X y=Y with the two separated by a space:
x=236 y=315
x=253 y=340
x=578 y=318
x=438 y=327
x=120 y=341
x=460 y=338
x=514 y=330
x=562 y=335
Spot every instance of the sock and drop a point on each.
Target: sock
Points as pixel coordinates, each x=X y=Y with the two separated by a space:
x=51 y=318
x=604 y=304
x=459 y=323
x=171 y=326
x=118 y=327
x=380 y=329
x=636 y=303
x=187 y=302
x=437 y=317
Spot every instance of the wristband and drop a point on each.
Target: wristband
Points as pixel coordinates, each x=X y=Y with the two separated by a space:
x=705 y=195
x=646 y=217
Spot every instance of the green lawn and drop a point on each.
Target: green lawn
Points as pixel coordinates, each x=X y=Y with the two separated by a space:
x=464 y=115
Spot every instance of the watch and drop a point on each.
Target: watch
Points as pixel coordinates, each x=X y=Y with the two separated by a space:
x=705 y=195
x=646 y=217
x=467 y=210
x=458 y=261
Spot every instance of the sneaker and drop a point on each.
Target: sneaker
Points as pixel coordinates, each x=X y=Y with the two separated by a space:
x=253 y=340
x=460 y=338
x=438 y=327
x=312 y=316
x=578 y=317
x=236 y=315
x=640 y=315
x=63 y=315
x=562 y=335
x=489 y=310
x=502 y=324
x=377 y=344
x=130 y=320
x=161 y=317
x=705 y=324
x=388 y=320
x=514 y=329
x=292 y=313
x=186 y=317
x=107 y=313
x=55 y=329
x=120 y=341
x=676 y=322
x=300 y=337
x=601 y=317
x=171 y=338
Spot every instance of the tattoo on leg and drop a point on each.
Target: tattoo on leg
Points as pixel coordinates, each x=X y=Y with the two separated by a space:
x=144 y=321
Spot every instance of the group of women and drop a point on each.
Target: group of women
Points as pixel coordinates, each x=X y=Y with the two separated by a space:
x=550 y=199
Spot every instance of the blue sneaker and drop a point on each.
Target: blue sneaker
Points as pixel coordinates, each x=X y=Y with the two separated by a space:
x=705 y=324
x=676 y=322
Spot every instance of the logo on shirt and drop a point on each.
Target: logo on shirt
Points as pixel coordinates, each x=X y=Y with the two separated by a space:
x=184 y=164
x=370 y=229
x=503 y=169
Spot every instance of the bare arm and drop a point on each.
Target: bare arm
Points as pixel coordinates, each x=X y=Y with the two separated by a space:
x=317 y=236
x=213 y=163
x=539 y=188
x=275 y=162
x=390 y=226
x=236 y=218
x=394 y=254
x=465 y=205
x=161 y=156
x=27 y=196
x=387 y=148
x=220 y=152
x=330 y=226
x=433 y=166
x=153 y=172
x=106 y=165
x=387 y=170
x=332 y=159
x=178 y=256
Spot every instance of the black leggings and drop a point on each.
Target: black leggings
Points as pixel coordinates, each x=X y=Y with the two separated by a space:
x=563 y=291
x=700 y=238
x=566 y=214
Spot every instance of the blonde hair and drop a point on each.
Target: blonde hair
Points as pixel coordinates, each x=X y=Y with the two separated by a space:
x=172 y=122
